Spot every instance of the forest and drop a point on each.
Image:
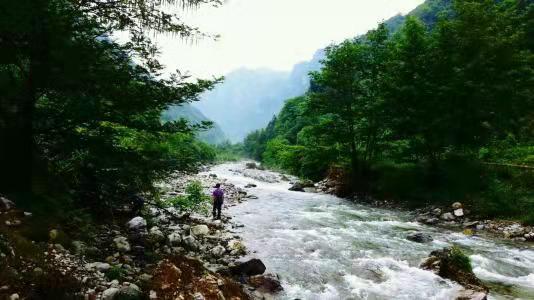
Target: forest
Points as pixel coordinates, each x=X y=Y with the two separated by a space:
x=435 y=108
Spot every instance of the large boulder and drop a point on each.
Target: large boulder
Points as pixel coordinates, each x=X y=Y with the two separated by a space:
x=248 y=268
x=200 y=230
x=137 y=224
x=419 y=237
x=451 y=263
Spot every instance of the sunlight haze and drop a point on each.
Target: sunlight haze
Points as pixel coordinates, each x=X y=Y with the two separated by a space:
x=273 y=34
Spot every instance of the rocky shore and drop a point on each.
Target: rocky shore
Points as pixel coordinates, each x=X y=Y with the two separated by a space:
x=163 y=253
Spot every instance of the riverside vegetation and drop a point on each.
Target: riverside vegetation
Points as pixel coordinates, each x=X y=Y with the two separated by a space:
x=432 y=111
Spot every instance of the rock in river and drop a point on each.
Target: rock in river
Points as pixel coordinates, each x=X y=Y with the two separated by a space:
x=419 y=237
x=249 y=268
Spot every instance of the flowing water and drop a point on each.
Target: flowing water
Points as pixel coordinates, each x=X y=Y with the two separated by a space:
x=324 y=247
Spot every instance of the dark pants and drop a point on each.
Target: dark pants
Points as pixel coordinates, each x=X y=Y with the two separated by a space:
x=217 y=206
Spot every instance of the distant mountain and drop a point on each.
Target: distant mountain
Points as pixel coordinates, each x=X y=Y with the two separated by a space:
x=248 y=99
x=213 y=136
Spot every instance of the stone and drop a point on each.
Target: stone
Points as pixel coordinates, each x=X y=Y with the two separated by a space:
x=297 y=187
x=191 y=242
x=145 y=277
x=447 y=216
x=153 y=295
x=448 y=263
x=200 y=230
x=468 y=294
x=457 y=205
x=100 y=266
x=459 y=212
x=266 y=283
x=218 y=251
x=13 y=223
x=251 y=165
x=419 y=237
x=237 y=246
x=156 y=234
x=38 y=271
x=437 y=211
x=14 y=297
x=250 y=185
x=110 y=293
x=121 y=243
x=473 y=224
x=130 y=292
x=198 y=296
x=480 y=227
x=79 y=247
x=6 y=204
x=137 y=223
x=174 y=239
x=248 y=268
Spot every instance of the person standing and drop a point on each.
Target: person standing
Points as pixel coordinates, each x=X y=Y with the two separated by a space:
x=218 y=199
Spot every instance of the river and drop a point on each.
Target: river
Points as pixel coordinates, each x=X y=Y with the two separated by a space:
x=324 y=247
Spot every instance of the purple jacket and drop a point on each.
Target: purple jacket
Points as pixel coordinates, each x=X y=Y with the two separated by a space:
x=218 y=194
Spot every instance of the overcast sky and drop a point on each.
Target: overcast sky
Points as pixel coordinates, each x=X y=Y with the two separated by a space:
x=274 y=34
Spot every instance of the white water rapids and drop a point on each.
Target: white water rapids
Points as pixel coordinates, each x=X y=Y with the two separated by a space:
x=324 y=247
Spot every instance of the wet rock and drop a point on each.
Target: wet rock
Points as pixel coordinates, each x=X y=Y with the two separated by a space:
x=467 y=294
x=248 y=268
x=459 y=212
x=297 y=187
x=419 y=237
x=14 y=297
x=200 y=230
x=121 y=243
x=266 y=283
x=250 y=185
x=251 y=165
x=451 y=263
x=447 y=216
x=473 y=224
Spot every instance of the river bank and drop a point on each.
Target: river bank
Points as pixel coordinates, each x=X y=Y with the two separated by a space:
x=161 y=253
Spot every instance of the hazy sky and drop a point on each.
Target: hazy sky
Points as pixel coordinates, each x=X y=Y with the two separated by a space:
x=274 y=34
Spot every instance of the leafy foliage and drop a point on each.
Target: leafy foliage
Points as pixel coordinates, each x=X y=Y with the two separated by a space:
x=417 y=114
x=81 y=112
x=195 y=198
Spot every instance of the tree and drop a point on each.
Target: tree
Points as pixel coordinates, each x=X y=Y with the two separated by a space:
x=74 y=98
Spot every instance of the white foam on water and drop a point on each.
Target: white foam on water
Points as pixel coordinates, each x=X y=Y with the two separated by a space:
x=525 y=281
